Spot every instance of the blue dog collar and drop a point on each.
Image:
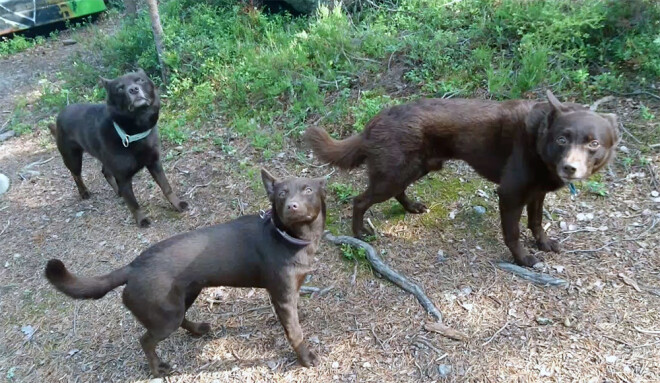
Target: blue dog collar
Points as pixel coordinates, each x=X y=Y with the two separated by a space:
x=127 y=139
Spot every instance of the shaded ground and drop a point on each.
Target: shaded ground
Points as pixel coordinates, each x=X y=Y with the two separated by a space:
x=603 y=327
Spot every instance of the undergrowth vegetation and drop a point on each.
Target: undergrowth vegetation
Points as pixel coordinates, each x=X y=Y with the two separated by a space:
x=266 y=76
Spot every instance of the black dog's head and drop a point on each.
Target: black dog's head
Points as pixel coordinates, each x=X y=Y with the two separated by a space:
x=296 y=201
x=573 y=141
x=130 y=92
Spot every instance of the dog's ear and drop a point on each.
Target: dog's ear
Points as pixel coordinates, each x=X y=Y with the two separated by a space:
x=269 y=183
x=554 y=103
x=614 y=123
x=104 y=82
x=141 y=71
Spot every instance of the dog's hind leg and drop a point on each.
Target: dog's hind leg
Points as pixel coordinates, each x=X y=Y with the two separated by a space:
x=535 y=224
x=156 y=170
x=73 y=160
x=125 y=187
x=149 y=341
x=194 y=328
x=111 y=179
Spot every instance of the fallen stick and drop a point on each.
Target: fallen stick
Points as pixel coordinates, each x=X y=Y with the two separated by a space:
x=394 y=277
x=538 y=278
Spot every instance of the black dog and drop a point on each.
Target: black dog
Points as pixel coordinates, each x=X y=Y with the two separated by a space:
x=271 y=251
x=529 y=148
x=122 y=134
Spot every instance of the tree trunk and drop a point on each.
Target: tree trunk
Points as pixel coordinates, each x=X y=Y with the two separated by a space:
x=158 y=38
x=131 y=9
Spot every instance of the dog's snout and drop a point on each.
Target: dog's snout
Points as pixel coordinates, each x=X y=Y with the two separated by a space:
x=134 y=89
x=569 y=169
x=292 y=206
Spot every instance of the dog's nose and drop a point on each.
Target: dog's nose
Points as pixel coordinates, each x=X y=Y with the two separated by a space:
x=134 y=89
x=292 y=206
x=569 y=169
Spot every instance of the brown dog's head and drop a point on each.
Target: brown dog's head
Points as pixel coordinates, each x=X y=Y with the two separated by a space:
x=296 y=201
x=130 y=92
x=573 y=141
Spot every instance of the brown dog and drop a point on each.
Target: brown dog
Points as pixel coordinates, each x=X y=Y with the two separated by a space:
x=272 y=251
x=122 y=134
x=529 y=148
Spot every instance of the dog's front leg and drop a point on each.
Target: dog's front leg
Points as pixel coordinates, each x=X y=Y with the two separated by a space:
x=285 y=301
x=156 y=170
x=125 y=187
x=535 y=223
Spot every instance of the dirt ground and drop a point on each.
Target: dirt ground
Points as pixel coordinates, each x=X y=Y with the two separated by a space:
x=603 y=327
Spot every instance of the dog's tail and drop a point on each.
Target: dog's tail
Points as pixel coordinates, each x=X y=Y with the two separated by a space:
x=346 y=154
x=84 y=287
x=53 y=129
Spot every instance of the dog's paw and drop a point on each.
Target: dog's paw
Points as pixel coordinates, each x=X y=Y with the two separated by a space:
x=163 y=369
x=183 y=205
x=144 y=222
x=549 y=245
x=527 y=260
x=306 y=357
x=416 y=208
x=85 y=194
x=200 y=329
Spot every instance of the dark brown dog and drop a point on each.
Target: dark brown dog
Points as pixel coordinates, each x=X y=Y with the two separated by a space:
x=272 y=251
x=122 y=134
x=528 y=148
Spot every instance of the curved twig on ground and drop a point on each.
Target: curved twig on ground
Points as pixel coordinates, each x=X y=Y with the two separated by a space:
x=389 y=273
x=538 y=278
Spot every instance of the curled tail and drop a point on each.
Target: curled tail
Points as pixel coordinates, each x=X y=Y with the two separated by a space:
x=53 y=129
x=83 y=287
x=346 y=154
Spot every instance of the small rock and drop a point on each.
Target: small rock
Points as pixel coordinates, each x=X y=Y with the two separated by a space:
x=72 y=352
x=314 y=339
x=335 y=364
x=572 y=227
x=567 y=322
x=69 y=42
x=444 y=370
x=441 y=256
x=624 y=149
x=479 y=210
x=4 y=183
x=7 y=135
x=80 y=213
x=563 y=225
x=271 y=364
x=655 y=193
x=610 y=359
x=560 y=269
x=156 y=380
x=28 y=331
x=366 y=365
x=543 y=321
x=465 y=291
x=539 y=266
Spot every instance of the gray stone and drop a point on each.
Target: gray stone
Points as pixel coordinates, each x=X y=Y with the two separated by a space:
x=479 y=209
x=444 y=370
x=4 y=183
x=7 y=135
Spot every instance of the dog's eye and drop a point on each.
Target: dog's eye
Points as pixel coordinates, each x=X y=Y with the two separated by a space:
x=282 y=194
x=594 y=144
x=120 y=88
x=308 y=190
x=561 y=140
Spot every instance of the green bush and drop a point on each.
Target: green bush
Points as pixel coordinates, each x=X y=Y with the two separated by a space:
x=270 y=74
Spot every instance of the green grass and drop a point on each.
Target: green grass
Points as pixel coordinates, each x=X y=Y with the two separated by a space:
x=17 y=44
x=267 y=76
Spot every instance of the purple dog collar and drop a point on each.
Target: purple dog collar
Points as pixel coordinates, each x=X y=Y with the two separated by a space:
x=268 y=215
